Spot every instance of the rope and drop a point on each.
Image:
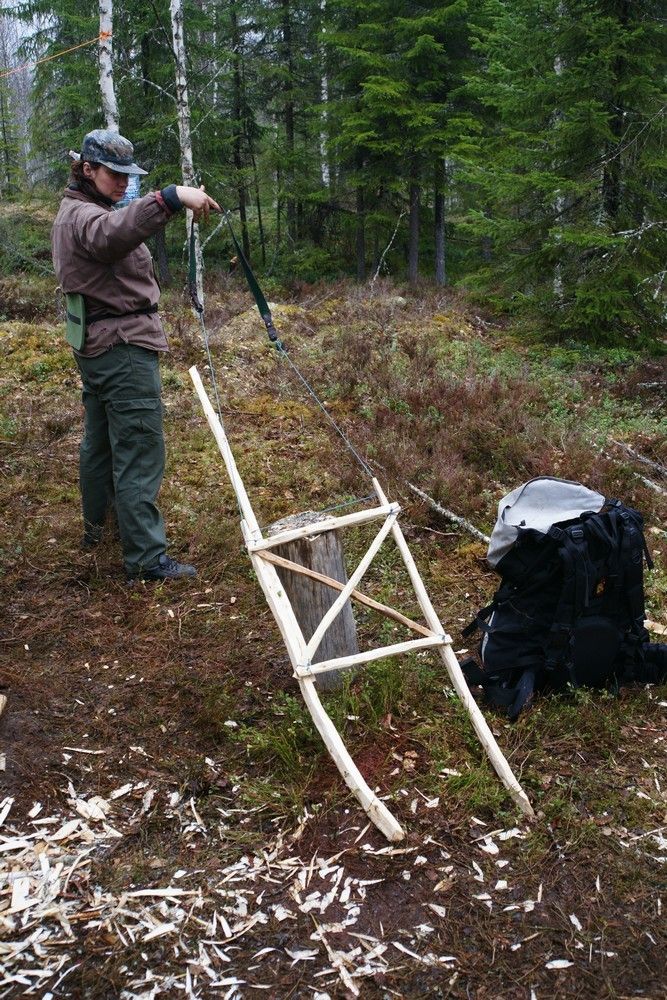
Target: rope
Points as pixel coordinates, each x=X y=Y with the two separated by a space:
x=265 y=313
x=348 y=444
x=102 y=37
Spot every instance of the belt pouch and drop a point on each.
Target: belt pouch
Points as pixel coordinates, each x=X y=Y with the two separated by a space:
x=75 y=329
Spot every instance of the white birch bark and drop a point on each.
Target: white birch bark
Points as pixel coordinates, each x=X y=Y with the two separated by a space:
x=560 y=201
x=184 y=132
x=105 y=56
x=324 y=95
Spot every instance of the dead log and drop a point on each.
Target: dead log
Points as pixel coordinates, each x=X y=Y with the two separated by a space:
x=450 y=515
x=640 y=458
x=310 y=598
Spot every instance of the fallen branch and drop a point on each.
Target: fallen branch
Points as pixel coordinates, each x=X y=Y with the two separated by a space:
x=651 y=484
x=450 y=515
x=640 y=458
x=386 y=250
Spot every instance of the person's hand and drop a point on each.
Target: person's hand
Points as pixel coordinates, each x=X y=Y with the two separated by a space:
x=197 y=201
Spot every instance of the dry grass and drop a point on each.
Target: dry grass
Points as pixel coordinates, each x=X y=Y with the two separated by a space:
x=151 y=676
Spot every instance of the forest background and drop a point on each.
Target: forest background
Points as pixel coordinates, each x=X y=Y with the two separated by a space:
x=512 y=148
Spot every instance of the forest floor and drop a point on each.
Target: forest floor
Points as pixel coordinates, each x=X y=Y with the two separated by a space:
x=170 y=823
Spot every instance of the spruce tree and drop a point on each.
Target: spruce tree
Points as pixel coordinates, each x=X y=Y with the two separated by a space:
x=567 y=163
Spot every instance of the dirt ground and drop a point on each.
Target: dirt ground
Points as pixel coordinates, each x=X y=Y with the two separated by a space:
x=170 y=824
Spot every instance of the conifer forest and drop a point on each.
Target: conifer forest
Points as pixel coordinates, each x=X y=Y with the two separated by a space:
x=515 y=149
x=268 y=757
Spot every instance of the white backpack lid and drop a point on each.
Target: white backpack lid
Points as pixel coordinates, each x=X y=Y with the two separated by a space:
x=538 y=504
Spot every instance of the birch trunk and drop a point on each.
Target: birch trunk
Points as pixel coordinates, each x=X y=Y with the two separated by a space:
x=184 y=134
x=325 y=169
x=105 y=56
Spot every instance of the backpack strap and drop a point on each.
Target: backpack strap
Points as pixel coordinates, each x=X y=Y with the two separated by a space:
x=634 y=552
x=512 y=699
x=577 y=570
x=480 y=619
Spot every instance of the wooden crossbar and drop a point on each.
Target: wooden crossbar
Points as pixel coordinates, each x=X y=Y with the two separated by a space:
x=326 y=524
x=356 y=595
x=357 y=659
x=344 y=595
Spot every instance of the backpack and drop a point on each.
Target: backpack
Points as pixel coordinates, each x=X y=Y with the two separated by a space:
x=570 y=607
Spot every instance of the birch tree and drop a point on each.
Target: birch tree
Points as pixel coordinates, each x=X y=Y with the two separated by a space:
x=105 y=56
x=184 y=131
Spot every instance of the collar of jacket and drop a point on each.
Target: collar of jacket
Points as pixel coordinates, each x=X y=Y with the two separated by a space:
x=100 y=198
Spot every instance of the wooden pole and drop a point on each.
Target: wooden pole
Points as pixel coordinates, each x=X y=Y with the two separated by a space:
x=296 y=648
x=480 y=724
x=349 y=586
x=293 y=638
x=347 y=662
x=326 y=524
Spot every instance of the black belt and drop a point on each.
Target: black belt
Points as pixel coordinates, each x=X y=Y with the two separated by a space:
x=147 y=311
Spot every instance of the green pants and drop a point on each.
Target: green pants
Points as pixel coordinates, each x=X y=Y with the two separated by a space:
x=122 y=452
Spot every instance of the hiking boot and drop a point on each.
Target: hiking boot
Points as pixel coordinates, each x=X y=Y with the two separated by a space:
x=92 y=536
x=167 y=568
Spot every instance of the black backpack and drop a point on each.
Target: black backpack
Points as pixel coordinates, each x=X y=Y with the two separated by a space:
x=570 y=608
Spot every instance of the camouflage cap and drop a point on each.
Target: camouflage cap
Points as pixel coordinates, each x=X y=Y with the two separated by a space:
x=111 y=150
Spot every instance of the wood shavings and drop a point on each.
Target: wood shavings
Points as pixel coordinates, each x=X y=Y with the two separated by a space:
x=304 y=955
x=5 y=807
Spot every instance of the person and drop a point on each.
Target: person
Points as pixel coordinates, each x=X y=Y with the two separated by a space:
x=100 y=254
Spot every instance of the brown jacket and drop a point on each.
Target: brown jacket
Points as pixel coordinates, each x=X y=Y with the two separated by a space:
x=100 y=253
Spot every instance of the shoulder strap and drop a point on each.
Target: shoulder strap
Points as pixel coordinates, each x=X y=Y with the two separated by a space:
x=512 y=699
x=573 y=551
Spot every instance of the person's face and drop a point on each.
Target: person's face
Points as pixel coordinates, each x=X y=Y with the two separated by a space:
x=110 y=183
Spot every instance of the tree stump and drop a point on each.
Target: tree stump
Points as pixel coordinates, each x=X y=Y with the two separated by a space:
x=311 y=599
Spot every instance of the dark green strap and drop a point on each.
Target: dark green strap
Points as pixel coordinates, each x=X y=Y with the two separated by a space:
x=253 y=284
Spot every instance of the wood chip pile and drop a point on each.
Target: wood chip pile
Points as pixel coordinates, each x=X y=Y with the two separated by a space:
x=204 y=936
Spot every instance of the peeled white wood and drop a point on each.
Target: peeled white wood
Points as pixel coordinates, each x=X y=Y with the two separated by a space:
x=230 y=463
x=295 y=644
x=326 y=524
x=356 y=595
x=347 y=662
x=344 y=595
x=484 y=734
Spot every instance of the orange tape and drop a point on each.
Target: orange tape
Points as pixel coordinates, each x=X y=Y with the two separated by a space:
x=102 y=37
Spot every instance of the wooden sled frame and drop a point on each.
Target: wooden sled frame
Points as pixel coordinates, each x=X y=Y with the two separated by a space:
x=264 y=563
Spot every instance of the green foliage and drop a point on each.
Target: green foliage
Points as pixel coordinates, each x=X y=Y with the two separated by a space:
x=519 y=143
x=563 y=148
